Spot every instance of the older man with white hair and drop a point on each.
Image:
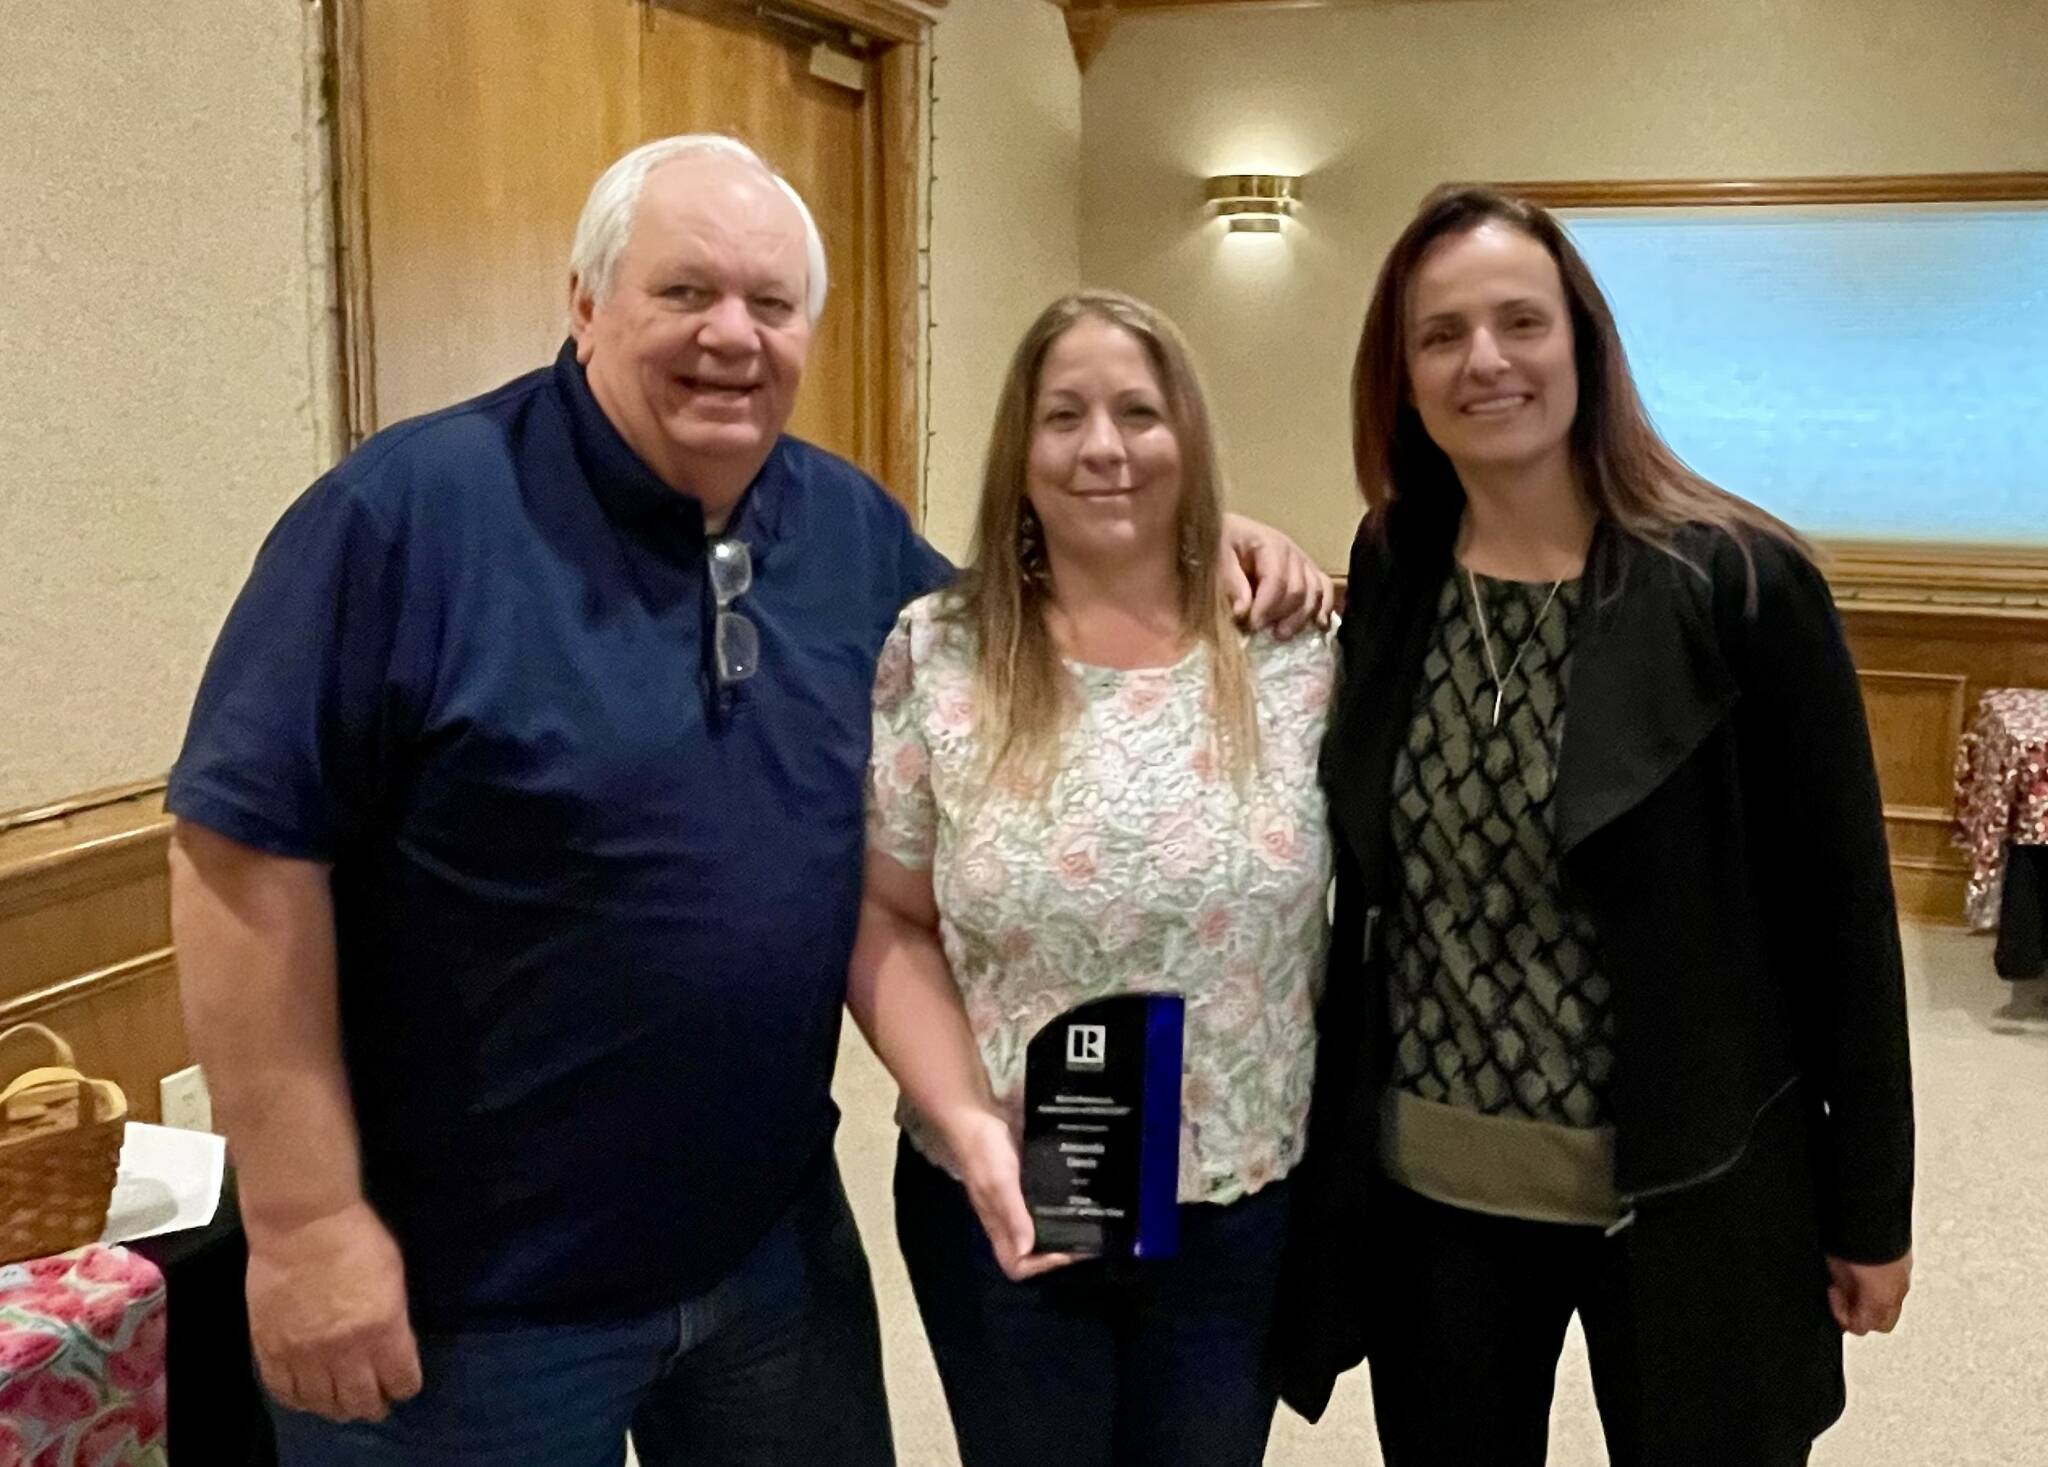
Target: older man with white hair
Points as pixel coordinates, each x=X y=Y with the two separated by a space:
x=516 y=872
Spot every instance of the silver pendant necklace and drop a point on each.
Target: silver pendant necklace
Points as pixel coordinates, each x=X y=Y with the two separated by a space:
x=1500 y=683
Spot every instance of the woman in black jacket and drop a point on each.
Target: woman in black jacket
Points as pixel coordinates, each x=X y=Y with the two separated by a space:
x=1615 y=1022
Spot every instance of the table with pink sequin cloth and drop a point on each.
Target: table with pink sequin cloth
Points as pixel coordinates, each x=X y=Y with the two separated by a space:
x=82 y=1361
x=2001 y=790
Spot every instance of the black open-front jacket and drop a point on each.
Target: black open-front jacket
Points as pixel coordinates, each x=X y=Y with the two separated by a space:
x=1718 y=818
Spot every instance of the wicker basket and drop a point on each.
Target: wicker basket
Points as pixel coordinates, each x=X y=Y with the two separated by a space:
x=60 y=1146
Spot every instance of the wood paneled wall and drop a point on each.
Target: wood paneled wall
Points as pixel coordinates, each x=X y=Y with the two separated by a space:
x=1923 y=669
x=85 y=936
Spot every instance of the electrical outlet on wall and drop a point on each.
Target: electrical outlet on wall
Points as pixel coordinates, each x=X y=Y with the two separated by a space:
x=184 y=1101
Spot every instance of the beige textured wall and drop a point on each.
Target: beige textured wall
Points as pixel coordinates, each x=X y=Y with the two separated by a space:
x=165 y=357
x=166 y=349
x=164 y=386
x=1375 y=104
x=1005 y=236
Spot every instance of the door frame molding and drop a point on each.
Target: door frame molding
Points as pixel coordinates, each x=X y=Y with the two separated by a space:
x=355 y=333
x=898 y=37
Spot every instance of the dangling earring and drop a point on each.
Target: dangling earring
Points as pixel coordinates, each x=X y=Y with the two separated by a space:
x=1188 y=558
x=1031 y=548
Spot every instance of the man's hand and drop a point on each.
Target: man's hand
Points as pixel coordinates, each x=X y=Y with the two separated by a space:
x=986 y=1154
x=1868 y=1296
x=1270 y=580
x=327 y=1315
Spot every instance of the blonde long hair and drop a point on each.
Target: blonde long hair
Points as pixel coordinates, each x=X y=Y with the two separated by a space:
x=1024 y=693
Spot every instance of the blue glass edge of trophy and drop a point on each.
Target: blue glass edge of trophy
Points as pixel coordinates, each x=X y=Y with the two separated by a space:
x=1159 y=1150
x=1092 y=1099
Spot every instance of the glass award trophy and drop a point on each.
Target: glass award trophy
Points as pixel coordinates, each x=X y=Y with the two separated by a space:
x=1102 y=1127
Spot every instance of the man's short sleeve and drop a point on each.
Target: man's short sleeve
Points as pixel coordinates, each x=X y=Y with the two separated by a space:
x=289 y=746
x=924 y=569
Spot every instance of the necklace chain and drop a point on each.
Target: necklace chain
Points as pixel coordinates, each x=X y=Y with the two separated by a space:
x=1500 y=681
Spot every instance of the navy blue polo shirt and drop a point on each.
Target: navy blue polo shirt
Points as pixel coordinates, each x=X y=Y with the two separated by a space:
x=593 y=912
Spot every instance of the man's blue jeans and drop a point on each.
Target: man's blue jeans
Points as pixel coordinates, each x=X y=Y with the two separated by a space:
x=779 y=1362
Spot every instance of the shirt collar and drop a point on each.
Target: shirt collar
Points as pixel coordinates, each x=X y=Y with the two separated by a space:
x=633 y=494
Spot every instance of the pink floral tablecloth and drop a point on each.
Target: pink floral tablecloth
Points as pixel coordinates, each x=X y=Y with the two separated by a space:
x=2001 y=790
x=82 y=1361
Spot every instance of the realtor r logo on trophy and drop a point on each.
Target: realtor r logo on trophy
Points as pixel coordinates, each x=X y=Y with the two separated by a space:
x=1087 y=1047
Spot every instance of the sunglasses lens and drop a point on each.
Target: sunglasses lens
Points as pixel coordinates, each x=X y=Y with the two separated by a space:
x=739 y=647
x=732 y=569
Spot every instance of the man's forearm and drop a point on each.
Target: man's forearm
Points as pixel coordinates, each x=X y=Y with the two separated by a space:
x=255 y=941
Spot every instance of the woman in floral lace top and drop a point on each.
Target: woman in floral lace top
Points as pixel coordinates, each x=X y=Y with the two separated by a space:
x=1085 y=781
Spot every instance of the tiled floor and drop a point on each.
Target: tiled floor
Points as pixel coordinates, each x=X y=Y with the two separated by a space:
x=1964 y=1383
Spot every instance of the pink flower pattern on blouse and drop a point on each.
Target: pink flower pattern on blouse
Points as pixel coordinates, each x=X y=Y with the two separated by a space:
x=1143 y=867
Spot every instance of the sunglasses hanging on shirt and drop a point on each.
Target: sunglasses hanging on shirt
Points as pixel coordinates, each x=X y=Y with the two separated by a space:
x=736 y=641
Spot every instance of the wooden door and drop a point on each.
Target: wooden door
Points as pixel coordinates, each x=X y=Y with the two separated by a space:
x=469 y=132
x=475 y=163
x=706 y=68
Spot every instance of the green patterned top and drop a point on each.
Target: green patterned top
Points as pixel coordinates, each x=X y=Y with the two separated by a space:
x=1498 y=1003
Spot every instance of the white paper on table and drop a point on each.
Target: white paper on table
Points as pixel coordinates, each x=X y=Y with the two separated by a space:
x=169 y=1180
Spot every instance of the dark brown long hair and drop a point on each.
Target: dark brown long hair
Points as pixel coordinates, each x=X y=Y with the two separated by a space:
x=1631 y=474
x=1023 y=690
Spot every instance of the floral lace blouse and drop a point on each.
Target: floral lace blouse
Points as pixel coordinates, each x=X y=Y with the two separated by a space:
x=1143 y=867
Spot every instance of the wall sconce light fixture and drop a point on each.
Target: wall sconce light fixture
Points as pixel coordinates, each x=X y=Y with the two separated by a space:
x=1252 y=202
